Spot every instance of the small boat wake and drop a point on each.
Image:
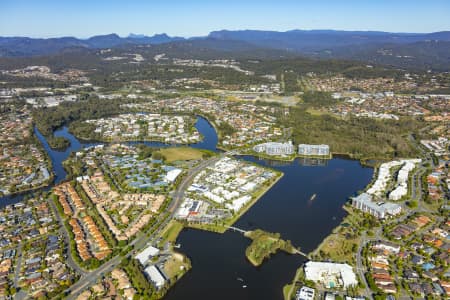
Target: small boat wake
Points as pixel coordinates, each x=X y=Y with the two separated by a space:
x=241 y=280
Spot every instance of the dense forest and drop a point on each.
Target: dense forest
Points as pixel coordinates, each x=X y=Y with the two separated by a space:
x=303 y=66
x=358 y=137
x=49 y=119
x=167 y=73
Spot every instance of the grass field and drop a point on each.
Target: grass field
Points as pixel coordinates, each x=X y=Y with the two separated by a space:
x=287 y=291
x=177 y=264
x=181 y=153
x=171 y=232
x=340 y=245
x=340 y=248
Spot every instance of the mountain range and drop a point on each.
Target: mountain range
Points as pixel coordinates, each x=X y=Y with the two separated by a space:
x=420 y=50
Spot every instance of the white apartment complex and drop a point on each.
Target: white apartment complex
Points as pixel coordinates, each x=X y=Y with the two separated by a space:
x=273 y=148
x=320 y=150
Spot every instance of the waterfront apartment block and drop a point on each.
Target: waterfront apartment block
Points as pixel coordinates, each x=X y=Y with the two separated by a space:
x=378 y=209
x=273 y=148
x=331 y=275
x=319 y=150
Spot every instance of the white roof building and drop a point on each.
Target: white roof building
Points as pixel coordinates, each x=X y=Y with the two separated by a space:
x=400 y=191
x=273 y=148
x=320 y=150
x=331 y=274
x=155 y=276
x=214 y=197
x=305 y=293
x=402 y=179
x=378 y=209
x=172 y=175
x=384 y=175
x=237 y=204
x=145 y=254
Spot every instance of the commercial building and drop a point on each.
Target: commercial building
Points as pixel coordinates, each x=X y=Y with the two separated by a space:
x=331 y=275
x=172 y=174
x=378 y=209
x=319 y=150
x=273 y=148
x=146 y=254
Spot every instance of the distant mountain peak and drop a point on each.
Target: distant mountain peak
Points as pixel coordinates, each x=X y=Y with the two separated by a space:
x=136 y=36
x=325 y=43
x=104 y=36
x=161 y=35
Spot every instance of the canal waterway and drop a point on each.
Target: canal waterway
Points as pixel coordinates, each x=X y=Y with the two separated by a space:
x=57 y=157
x=219 y=267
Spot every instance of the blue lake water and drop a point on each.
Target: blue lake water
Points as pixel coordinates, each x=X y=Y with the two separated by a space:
x=218 y=260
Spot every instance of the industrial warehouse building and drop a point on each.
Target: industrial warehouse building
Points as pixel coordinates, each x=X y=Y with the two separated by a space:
x=273 y=148
x=313 y=150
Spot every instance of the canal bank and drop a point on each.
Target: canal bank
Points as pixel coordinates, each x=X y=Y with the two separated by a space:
x=58 y=156
x=218 y=260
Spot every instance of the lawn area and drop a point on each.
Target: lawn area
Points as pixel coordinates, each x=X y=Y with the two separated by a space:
x=171 y=232
x=287 y=291
x=339 y=248
x=343 y=242
x=181 y=153
x=219 y=228
x=177 y=264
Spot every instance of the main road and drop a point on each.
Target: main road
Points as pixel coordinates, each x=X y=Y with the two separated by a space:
x=90 y=278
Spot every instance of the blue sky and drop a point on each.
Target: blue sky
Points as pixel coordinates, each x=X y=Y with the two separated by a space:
x=84 y=18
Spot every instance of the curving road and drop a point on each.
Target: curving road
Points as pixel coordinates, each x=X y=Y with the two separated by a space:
x=360 y=269
x=90 y=278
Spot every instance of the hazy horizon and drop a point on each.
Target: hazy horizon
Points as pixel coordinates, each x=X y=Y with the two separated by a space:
x=223 y=29
x=83 y=19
